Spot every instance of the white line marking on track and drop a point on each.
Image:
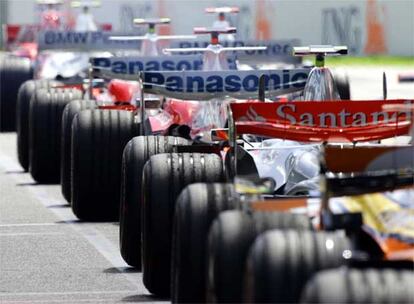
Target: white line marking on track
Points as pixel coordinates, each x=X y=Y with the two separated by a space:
x=94 y=301
x=95 y=238
x=30 y=233
x=28 y=224
x=63 y=293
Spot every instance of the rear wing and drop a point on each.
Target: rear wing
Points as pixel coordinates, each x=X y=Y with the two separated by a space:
x=151 y=35
x=277 y=51
x=85 y=3
x=320 y=52
x=130 y=67
x=214 y=45
x=83 y=42
x=362 y=170
x=222 y=9
x=48 y=2
x=323 y=121
x=154 y=38
x=151 y=22
x=206 y=85
x=320 y=49
x=349 y=158
x=369 y=182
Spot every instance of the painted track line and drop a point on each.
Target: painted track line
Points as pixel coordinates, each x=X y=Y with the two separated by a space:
x=29 y=233
x=27 y=225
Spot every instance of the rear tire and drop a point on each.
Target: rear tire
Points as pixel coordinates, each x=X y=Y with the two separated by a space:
x=360 y=286
x=13 y=72
x=230 y=238
x=196 y=208
x=136 y=153
x=71 y=109
x=165 y=175
x=342 y=85
x=98 y=139
x=280 y=262
x=26 y=92
x=45 y=123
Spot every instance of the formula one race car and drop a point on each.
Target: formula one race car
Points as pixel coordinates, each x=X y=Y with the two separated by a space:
x=22 y=57
x=66 y=62
x=367 y=234
x=181 y=169
x=225 y=239
x=49 y=61
x=172 y=172
x=257 y=170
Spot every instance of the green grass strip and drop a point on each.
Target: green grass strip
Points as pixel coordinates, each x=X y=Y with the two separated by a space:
x=370 y=61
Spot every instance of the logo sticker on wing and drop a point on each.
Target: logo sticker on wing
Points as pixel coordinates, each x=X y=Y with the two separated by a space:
x=317 y=121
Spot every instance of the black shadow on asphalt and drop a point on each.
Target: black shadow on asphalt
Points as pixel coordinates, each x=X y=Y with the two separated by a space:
x=28 y=184
x=143 y=298
x=71 y=222
x=121 y=270
x=80 y=221
x=59 y=206
x=15 y=172
x=34 y=184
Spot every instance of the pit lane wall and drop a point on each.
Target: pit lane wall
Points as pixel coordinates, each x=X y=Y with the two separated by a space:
x=367 y=27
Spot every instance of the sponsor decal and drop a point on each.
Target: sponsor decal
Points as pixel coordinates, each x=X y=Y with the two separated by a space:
x=274 y=48
x=316 y=121
x=93 y=40
x=329 y=114
x=133 y=65
x=211 y=82
x=52 y=37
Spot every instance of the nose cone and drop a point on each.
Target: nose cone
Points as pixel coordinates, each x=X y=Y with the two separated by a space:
x=320 y=85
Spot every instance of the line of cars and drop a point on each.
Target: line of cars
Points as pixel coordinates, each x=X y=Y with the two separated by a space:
x=222 y=178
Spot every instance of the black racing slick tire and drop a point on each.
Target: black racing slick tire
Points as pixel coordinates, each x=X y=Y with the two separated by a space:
x=165 y=176
x=136 y=153
x=26 y=92
x=342 y=85
x=280 y=262
x=45 y=122
x=231 y=235
x=13 y=72
x=71 y=109
x=196 y=208
x=360 y=286
x=98 y=139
